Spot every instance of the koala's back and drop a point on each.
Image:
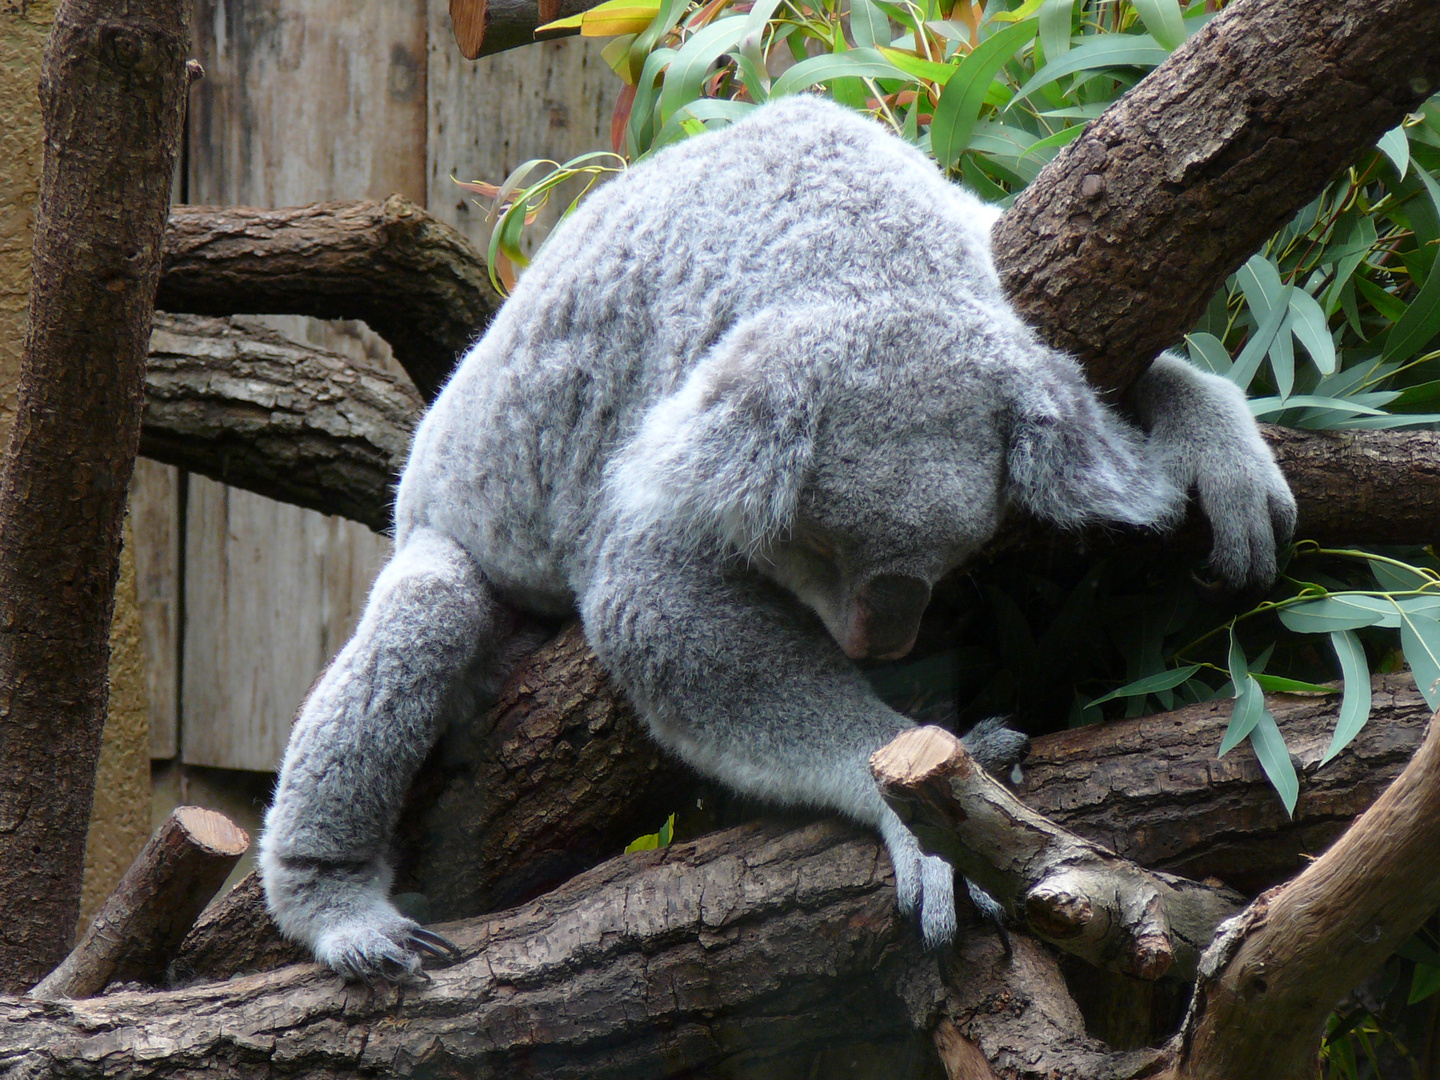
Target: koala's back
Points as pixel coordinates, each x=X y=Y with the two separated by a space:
x=803 y=204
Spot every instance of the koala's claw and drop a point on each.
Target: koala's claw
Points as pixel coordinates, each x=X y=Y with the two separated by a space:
x=433 y=944
x=361 y=952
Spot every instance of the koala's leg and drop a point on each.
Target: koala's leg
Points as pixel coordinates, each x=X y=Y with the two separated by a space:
x=362 y=733
x=745 y=685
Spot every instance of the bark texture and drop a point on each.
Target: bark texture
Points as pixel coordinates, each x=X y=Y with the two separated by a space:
x=1071 y=892
x=734 y=955
x=241 y=404
x=112 y=97
x=141 y=924
x=1150 y=789
x=1272 y=980
x=1116 y=247
x=417 y=282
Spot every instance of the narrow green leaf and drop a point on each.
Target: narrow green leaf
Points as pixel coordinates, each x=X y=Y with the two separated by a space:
x=1163 y=19
x=1334 y=613
x=1420 y=640
x=1274 y=758
x=707 y=110
x=1262 y=285
x=1423 y=983
x=1307 y=320
x=861 y=63
x=1249 y=705
x=1418 y=325
x=1103 y=51
x=1278 y=684
x=1269 y=406
x=960 y=101
x=641 y=129
x=1396 y=147
x=1355 y=705
x=868 y=25
x=686 y=73
x=919 y=69
x=1282 y=353
x=1248 y=362
x=1055 y=23
x=1208 y=353
x=1164 y=680
x=1388 y=304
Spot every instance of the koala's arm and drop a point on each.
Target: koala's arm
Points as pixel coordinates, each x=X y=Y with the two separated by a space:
x=745 y=685
x=1202 y=435
x=362 y=733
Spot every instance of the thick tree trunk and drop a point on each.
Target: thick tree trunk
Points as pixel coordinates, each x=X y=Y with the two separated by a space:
x=1116 y=247
x=238 y=403
x=112 y=93
x=417 y=282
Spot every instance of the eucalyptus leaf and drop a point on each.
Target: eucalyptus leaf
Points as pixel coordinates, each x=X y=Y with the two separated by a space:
x=869 y=26
x=1097 y=53
x=1355 y=705
x=1345 y=612
x=1248 y=362
x=1249 y=706
x=1395 y=146
x=686 y=73
x=1055 y=23
x=1208 y=353
x=1308 y=322
x=1274 y=758
x=861 y=63
x=1164 y=680
x=1420 y=640
x=964 y=93
x=1163 y=19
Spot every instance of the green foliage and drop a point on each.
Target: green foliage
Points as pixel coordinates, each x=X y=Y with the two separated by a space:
x=651 y=841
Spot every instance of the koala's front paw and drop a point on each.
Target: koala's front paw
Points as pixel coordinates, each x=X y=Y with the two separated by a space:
x=924 y=885
x=1251 y=513
x=380 y=946
x=996 y=748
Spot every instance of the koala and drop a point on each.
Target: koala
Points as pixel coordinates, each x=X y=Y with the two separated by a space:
x=749 y=403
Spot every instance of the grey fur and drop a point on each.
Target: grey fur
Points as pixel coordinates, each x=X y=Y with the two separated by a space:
x=770 y=364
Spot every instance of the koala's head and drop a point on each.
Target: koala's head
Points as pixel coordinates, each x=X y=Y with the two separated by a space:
x=856 y=456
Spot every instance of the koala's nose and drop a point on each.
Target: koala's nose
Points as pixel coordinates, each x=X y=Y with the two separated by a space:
x=887 y=616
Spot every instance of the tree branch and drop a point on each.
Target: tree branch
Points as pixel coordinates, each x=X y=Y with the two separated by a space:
x=486 y=27
x=417 y=282
x=112 y=91
x=1271 y=980
x=1116 y=247
x=1065 y=889
x=241 y=404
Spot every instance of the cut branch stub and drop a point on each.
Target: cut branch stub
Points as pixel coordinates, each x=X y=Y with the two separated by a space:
x=1073 y=893
x=141 y=924
x=486 y=27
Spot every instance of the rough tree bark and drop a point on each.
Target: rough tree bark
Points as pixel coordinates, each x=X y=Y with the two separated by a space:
x=727 y=955
x=1116 y=247
x=112 y=93
x=236 y=402
x=417 y=282
x=1150 y=789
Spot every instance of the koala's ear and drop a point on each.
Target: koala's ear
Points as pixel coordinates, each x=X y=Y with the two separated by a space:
x=726 y=455
x=1073 y=461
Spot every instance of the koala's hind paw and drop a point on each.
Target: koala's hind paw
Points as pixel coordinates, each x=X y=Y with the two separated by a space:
x=381 y=950
x=924 y=885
